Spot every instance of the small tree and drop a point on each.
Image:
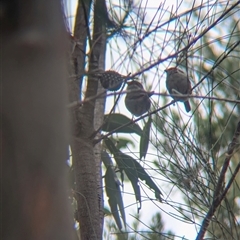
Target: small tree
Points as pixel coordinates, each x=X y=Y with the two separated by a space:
x=187 y=149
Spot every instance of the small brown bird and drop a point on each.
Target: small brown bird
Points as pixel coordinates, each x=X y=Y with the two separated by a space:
x=111 y=80
x=137 y=99
x=177 y=82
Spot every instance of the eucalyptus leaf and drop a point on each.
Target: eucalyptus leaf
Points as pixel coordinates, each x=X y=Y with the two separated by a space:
x=107 y=211
x=115 y=123
x=144 y=141
x=111 y=147
x=133 y=170
x=143 y=175
x=126 y=164
x=106 y=159
x=115 y=201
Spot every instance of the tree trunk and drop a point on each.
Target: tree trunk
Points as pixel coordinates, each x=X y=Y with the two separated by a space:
x=85 y=120
x=34 y=129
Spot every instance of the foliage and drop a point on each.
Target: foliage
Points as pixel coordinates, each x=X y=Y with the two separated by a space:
x=187 y=155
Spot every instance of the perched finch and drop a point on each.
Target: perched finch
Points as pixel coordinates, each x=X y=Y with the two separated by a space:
x=111 y=80
x=137 y=99
x=177 y=82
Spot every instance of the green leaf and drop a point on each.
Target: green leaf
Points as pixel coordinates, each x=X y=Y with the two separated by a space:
x=142 y=174
x=144 y=141
x=133 y=170
x=115 y=201
x=106 y=211
x=116 y=120
x=126 y=164
x=110 y=145
x=106 y=159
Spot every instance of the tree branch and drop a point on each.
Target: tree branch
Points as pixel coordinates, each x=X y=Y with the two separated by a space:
x=218 y=193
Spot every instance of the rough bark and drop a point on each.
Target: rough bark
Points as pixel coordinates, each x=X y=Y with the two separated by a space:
x=82 y=128
x=34 y=133
x=98 y=121
x=85 y=120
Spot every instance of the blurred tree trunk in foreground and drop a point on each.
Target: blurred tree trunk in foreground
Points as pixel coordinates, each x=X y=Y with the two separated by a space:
x=34 y=135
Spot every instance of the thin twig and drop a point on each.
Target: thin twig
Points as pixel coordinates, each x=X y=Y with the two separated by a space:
x=103 y=94
x=190 y=43
x=218 y=194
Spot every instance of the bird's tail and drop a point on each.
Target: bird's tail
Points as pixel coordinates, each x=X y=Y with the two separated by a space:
x=187 y=106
